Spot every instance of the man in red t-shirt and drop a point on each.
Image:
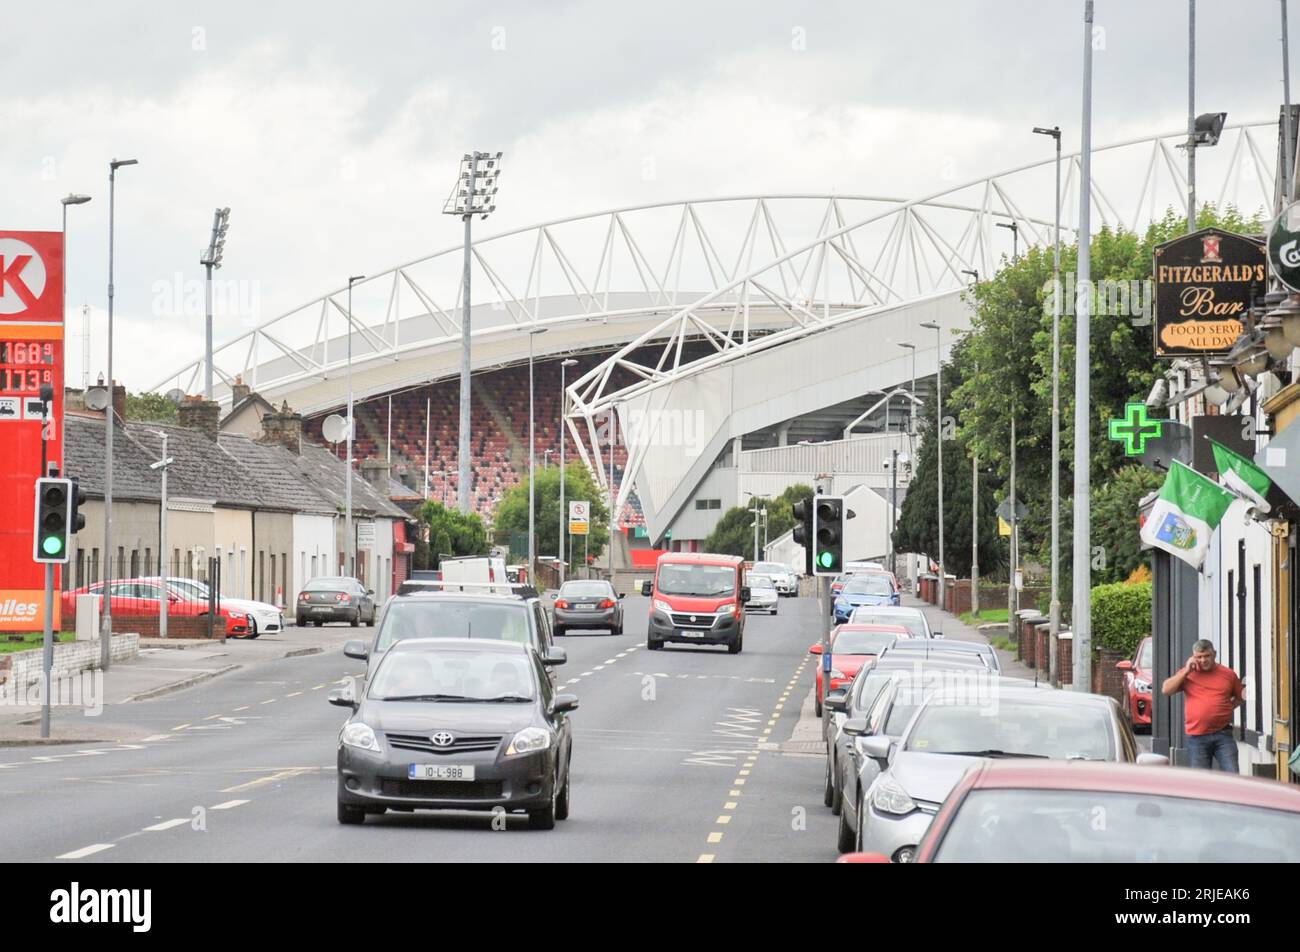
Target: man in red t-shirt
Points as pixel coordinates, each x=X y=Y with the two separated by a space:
x=1213 y=693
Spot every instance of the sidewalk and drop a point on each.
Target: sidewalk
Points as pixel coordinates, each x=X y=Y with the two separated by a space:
x=164 y=666
x=954 y=629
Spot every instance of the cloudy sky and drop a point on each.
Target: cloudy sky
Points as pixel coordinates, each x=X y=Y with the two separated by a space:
x=333 y=130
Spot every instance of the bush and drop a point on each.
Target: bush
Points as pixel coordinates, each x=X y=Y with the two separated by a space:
x=1121 y=616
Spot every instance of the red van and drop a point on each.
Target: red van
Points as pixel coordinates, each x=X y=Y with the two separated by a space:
x=697 y=599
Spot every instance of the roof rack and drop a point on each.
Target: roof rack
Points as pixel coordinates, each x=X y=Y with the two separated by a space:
x=522 y=590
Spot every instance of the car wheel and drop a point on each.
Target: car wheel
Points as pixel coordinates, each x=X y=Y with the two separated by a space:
x=828 y=787
x=837 y=791
x=562 y=804
x=558 y=631
x=736 y=646
x=318 y=624
x=351 y=816
x=356 y=622
x=301 y=622
x=845 y=841
x=544 y=819
x=858 y=805
x=817 y=704
x=652 y=645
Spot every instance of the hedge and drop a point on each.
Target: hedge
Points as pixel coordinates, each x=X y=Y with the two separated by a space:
x=1121 y=616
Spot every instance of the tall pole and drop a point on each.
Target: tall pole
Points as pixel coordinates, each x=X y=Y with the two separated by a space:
x=47 y=650
x=463 y=484
x=1191 y=114
x=893 y=511
x=975 y=536
x=1288 y=146
x=106 y=624
x=532 y=468
x=564 y=514
x=207 y=333
x=428 y=414
x=1012 y=601
x=938 y=432
x=1082 y=569
x=162 y=545
x=349 y=556
x=613 y=517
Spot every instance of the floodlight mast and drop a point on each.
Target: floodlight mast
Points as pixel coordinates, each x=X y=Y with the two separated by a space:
x=474 y=194
x=210 y=258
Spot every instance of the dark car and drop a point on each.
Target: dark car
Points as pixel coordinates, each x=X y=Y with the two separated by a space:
x=456 y=724
x=588 y=603
x=515 y=616
x=335 y=599
x=935 y=647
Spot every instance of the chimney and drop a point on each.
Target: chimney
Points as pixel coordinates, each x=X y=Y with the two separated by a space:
x=375 y=472
x=283 y=426
x=199 y=414
x=119 y=401
x=239 y=390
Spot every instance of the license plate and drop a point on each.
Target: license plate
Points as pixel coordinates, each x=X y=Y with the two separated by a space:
x=584 y=608
x=439 y=772
x=690 y=633
x=322 y=608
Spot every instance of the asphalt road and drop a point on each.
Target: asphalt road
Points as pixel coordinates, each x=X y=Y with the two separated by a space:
x=680 y=755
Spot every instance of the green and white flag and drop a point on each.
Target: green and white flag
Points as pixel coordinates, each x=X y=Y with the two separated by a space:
x=1185 y=514
x=1241 y=475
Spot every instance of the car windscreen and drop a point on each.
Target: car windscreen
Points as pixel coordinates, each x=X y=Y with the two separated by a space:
x=770 y=568
x=450 y=618
x=912 y=622
x=984 y=723
x=1060 y=826
x=328 y=585
x=453 y=675
x=585 y=590
x=704 y=581
x=862 y=642
x=759 y=581
x=1144 y=656
x=189 y=589
x=869 y=585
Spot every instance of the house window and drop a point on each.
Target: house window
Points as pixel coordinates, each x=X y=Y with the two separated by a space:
x=706 y=504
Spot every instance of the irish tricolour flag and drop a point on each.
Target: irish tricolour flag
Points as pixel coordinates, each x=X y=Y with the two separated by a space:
x=1241 y=475
x=1185 y=514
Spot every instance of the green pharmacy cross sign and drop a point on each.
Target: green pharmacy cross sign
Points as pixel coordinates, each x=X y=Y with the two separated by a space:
x=1134 y=429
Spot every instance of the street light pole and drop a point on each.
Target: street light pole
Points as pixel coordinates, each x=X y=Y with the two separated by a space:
x=163 y=587
x=564 y=515
x=938 y=369
x=1054 y=611
x=911 y=416
x=210 y=259
x=1081 y=617
x=1191 y=115
x=349 y=557
x=532 y=464
x=106 y=625
x=72 y=199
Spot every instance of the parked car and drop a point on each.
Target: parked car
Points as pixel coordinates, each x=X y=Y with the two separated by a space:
x=913 y=618
x=763 y=596
x=456 y=724
x=1021 y=811
x=783 y=577
x=587 y=603
x=1138 y=675
x=136 y=597
x=869 y=588
x=697 y=598
x=952 y=730
x=337 y=598
x=852 y=646
x=263 y=617
x=938 y=647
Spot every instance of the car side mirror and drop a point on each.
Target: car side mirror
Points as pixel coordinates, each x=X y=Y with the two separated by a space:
x=877 y=748
x=836 y=701
x=854 y=726
x=555 y=656
x=370 y=591
x=357 y=649
x=744 y=593
x=1125 y=665
x=1152 y=760
x=344 y=697
x=936 y=634
x=554 y=595
x=815 y=649
x=647 y=587
x=622 y=595
x=564 y=703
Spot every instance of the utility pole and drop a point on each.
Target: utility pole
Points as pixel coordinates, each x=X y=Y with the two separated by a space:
x=1082 y=569
x=1191 y=115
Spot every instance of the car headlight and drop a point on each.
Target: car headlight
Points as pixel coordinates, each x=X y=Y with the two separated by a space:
x=889 y=797
x=529 y=740
x=1143 y=687
x=662 y=606
x=727 y=609
x=837 y=673
x=360 y=736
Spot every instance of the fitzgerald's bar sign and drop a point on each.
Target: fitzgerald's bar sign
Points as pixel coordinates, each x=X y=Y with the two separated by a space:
x=1205 y=283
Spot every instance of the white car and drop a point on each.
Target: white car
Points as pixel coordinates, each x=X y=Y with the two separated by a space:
x=783 y=578
x=762 y=594
x=263 y=617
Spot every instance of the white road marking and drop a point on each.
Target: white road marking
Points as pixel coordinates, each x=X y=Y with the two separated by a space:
x=269 y=700
x=270 y=778
x=294 y=694
x=86 y=851
x=180 y=727
x=166 y=825
x=244 y=708
x=154 y=737
x=229 y=805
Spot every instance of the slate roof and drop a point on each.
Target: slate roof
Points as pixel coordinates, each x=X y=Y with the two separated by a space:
x=324 y=471
x=282 y=485
x=83 y=450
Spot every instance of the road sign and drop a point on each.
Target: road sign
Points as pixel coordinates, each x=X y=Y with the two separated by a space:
x=31 y=357
x=1004 y=510
x=579 y=517
x=365 y=535
x=1284 y=246
x=1004 y=527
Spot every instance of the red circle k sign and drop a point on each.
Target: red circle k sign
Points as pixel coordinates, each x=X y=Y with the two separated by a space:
x=31 y=273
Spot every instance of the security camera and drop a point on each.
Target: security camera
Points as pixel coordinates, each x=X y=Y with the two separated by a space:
x=1159 y=395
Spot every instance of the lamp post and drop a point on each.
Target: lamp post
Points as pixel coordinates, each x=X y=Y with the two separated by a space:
x=106 y=625
x=72 y=199
x=1014 y=228
x=975 y=510
x=210 y=258
x=532 y=463
x=911 y=415
x=1054 y=611
x=163 y=590
x=1081 y=616
x=349 y=550
x=564 y=515
x=938 y=430
x=474 y=194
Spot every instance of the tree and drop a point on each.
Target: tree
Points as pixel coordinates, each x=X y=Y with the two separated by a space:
x=734 y=533
x=512 y=512
x=449 y=532
x=150 y=408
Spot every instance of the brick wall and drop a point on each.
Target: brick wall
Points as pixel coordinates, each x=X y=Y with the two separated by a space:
x=22 y=668
x=959 y=596
x=146 y=626
x=1106 y=678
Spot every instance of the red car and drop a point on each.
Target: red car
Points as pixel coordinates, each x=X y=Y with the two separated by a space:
x=852 y=646
x=1015 y=811
x=136 y=597
x=1137 y=686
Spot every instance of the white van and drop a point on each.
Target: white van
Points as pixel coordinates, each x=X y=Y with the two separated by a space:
x=479 y=570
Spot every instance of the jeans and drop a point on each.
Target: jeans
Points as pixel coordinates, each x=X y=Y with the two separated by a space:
x=1207 y=749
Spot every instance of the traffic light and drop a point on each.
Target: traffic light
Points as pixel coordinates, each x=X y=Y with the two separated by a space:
x=828 y=535
x=76 y=518
x=53 y=519
x=803 y=531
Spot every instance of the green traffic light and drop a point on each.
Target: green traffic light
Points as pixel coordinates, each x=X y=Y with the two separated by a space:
x=52 y=545
x=826 y=559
